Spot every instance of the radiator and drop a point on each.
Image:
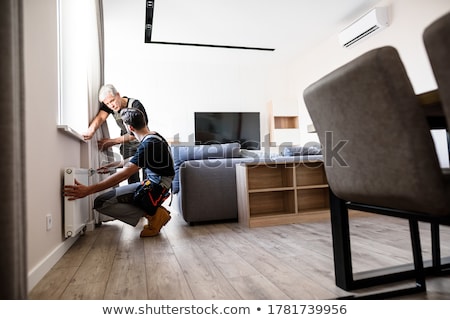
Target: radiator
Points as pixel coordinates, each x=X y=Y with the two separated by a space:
x=76 y=212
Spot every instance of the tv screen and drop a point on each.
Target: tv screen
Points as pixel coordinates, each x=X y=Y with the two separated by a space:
x=225 y=127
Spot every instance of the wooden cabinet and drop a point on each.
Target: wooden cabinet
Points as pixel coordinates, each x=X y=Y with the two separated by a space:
x=281 y=193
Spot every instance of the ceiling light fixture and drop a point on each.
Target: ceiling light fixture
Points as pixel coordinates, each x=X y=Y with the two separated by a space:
x=150 y=5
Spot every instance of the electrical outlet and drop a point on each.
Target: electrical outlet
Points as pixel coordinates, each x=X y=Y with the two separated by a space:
x=49 y=221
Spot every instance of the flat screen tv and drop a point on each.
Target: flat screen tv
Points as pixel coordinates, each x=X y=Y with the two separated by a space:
x=225 y=127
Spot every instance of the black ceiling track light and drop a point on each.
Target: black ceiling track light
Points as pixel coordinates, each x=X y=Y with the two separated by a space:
x=149 y=10
x=149 y=20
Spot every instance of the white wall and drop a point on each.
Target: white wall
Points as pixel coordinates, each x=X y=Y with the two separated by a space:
x=408 y=19
x=47 y=150
x=175 y=81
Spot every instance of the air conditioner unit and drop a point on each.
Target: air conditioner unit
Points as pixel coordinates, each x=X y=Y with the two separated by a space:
x=371 y=22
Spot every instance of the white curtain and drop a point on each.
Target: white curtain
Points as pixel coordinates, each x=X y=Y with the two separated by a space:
x=91 y=156
x=95 y=65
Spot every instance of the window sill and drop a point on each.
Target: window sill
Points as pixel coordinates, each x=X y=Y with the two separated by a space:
x=71 y=132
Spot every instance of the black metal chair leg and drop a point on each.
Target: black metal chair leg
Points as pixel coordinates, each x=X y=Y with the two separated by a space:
x=417 y=255
x=341 y=243
x=435 y=247
x=343 y=268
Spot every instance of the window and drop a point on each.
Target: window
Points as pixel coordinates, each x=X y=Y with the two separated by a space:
x=77 y=25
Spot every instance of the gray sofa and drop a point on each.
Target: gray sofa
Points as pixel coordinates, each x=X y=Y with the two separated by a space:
x=205 y=178
x=205 y=181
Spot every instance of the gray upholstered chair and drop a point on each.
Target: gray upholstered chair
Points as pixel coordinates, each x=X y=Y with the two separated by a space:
x=379 y=157
x=437 y=43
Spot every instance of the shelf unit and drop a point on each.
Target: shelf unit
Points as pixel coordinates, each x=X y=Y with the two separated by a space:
x=285 y=122
x=281 y=193
x=283 y=125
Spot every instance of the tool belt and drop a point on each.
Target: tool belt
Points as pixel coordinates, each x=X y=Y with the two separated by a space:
x=149 y=196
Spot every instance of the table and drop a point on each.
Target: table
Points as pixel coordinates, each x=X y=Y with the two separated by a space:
x=433 y=109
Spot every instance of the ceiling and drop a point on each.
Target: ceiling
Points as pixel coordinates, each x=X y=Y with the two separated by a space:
x=287 y=26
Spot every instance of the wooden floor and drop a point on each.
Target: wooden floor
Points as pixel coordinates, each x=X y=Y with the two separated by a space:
x=227 y=261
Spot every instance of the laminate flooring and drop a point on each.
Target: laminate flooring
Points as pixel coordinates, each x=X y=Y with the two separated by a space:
x=227 y=261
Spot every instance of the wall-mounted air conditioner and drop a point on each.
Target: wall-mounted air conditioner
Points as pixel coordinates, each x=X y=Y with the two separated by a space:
x=371 y=22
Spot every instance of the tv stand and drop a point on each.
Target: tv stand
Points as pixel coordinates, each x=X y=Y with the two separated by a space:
x=273 y=193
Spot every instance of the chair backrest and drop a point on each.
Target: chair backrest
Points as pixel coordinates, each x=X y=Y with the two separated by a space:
x=436 y=38
x=389 y=158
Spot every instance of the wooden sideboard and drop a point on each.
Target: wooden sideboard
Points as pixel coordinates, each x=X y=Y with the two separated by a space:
x=271 y=193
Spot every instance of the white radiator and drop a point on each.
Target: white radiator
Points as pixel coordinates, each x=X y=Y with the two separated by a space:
x=76 y=212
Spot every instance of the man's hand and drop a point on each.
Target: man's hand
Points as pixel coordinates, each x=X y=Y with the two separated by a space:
x=88 y=134
x=76 y=191
x=105 y=143
x=106 y=169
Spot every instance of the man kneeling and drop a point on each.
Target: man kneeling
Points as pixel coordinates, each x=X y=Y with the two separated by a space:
x=129 y=203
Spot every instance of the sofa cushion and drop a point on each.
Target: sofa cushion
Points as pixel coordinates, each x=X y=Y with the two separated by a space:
x=201 y=152
x=308 y=149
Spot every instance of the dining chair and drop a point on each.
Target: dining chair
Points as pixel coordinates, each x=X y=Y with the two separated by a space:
x=436 y=38
x=380 y=158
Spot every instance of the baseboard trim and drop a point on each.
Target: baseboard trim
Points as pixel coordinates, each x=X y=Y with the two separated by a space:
x=37 y=273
